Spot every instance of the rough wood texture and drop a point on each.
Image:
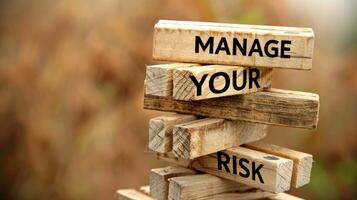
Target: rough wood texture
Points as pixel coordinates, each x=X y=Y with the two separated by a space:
x=205 y=136
x=274 y=106
x=130 y=194
x=251 y=194
x=302 y=161
x=276 y=171
x=184 y=87
x=159 y=184
x=196 y=186
x=175 y=41
x=244 y=193
x=158 y=79
x=171 y=158
x=160 y=131
x=284 y=196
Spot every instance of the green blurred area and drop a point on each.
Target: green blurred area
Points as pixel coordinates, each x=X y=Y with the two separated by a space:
x=71 y=92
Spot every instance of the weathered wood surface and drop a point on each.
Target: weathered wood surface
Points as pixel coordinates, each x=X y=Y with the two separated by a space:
x=242 y=194
x=158 y=79
x=196 y=83
x=160 y=130
x=205 y=136
x=202 y=185
x=177 y=41
x=274 y=175
x=130 y=194
x=159 y=184
x=251 y=194
x=284 y=196
x=273 y=106
x=171 y=158
x=302 y=161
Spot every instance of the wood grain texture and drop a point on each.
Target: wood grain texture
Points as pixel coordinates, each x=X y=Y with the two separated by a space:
x=171 y=158
x=160 y=130
x=302 y=161
x=202 y=185
x=158 y=80
x=273 y=106
x=185 y=89
x=243 y=193
x=276 y=171
x=159 y=183
x=175 y=41
x=130 y=194
x=205 y=136
x=251 y=194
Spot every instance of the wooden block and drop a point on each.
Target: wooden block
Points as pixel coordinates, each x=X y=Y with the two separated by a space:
x=274 y=106
x=171 y=158
x=130 y=194
x=159 y=183
x=145 y=189
x=160 y=131
x=251 y=194
x=158 y=79
x=252 y=168
x=210 y=81
x=205 y=136
x=234 y=44
x=284 y=196
x=195 y=82
x=196 y=186
x=244 y=193
x=302 y=161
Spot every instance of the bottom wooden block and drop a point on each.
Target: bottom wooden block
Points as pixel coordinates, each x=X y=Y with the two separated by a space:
x=248 y=194
x=241 y=195
x=284 y=196
x=131 y=194
x=159 y=183
x=200 y=186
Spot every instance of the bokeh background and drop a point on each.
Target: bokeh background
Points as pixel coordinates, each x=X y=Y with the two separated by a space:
x=72 y=124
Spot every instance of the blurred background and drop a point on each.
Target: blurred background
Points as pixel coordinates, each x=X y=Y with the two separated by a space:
x=72 y=124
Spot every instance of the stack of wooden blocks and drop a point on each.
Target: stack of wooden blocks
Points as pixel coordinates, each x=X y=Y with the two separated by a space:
x=221 y=94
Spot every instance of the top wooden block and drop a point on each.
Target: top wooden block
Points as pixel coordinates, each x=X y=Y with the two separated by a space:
x=234 y=44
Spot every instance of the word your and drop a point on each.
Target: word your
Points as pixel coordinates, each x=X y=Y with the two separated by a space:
x=224 y=161
x=253 y=78
x=271 y=47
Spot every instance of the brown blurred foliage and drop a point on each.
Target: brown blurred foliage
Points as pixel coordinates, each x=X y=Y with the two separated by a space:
x=71 y=87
